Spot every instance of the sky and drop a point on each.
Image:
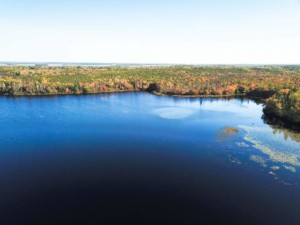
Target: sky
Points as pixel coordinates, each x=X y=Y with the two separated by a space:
x=151 y=31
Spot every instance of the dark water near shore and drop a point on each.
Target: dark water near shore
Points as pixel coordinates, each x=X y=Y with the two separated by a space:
x=139 y=158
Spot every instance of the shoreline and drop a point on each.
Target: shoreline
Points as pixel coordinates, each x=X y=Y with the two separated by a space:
x=281 y=120
x=257 y=83
x=132 y=91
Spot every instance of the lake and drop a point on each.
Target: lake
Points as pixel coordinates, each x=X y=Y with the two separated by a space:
x=141 y=158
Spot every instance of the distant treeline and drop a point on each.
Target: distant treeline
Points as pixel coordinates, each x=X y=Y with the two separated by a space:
x=279 y=84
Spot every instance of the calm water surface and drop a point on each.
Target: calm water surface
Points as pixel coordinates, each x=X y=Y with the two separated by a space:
x=140 y=158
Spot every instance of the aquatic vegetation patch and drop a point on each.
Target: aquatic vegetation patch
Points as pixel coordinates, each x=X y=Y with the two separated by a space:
x=227 y=134
x=275 y=167
x=231 y=129
x=290 y=168
x=235 y=160
x=275 y=145
x=259 y=159
x=272 y=173
x=242 y=144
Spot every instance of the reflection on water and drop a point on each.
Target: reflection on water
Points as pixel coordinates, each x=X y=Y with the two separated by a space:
x=174 y=112
x=279 y=125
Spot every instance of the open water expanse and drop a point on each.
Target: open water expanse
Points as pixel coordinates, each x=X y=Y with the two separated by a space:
x=139 y=158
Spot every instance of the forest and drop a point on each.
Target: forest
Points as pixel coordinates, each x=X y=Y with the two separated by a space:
x=278 y=86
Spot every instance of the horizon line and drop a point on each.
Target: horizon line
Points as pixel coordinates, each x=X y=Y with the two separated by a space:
x=149 y=63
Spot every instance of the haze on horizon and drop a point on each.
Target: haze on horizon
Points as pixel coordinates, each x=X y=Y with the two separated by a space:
x=132 y=31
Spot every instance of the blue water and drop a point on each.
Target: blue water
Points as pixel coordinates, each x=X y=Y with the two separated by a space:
x=140 y=158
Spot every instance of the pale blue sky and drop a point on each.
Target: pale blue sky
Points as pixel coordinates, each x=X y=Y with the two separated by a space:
x=177 y=31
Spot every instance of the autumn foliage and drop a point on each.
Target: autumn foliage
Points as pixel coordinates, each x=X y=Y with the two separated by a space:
x=279 y=84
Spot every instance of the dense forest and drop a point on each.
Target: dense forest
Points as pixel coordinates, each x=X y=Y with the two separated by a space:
x=284 y=104
x=279 y=85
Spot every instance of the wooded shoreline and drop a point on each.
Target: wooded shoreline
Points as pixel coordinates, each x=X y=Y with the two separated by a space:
x=278 y=86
